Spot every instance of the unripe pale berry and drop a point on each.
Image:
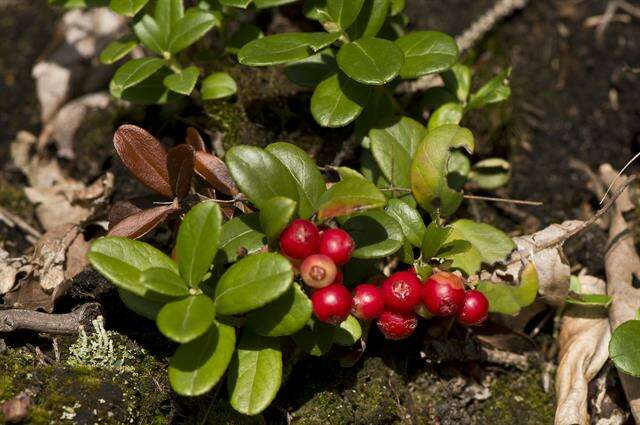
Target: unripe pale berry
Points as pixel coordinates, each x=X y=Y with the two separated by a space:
x=331 y=304
x=401 y=291
x=475 y=308
x=318 y=271
x=443 y=294
x=337 y=244
x=395 y=325
x=300 y=239
x=368 y=302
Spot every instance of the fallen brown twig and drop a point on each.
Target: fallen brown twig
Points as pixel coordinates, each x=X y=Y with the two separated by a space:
x=69 y=323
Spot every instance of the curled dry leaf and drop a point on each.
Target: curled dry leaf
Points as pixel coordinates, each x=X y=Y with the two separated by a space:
x=140 y=223
x=121 y=210
x=9 y=268
x=16 y=409
x=584 y=341
x=195 y=140
x=180 y=163
x=144 y=156
x=215 y=172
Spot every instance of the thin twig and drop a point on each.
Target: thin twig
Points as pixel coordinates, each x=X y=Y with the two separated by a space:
x=618 y=175
x=14 y=221
x=505 y=200
x=69 y=323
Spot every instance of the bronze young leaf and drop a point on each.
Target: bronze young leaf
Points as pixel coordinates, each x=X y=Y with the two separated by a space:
x=139 y=224
x=195 y=140
x=180 y=163
x=215 y=172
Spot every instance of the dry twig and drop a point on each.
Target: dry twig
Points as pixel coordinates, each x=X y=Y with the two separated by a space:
x=69 y=323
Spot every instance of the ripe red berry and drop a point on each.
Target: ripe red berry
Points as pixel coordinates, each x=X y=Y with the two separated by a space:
x=368 y=302
x=475 y=308
x=443 y=294
x=401 y=291
x=331 y=304
x=318 y=271
x=337 y=244
x=397 y=325
x=300 y=239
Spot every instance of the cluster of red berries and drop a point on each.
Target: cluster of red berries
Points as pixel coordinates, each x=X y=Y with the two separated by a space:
x=393 y=304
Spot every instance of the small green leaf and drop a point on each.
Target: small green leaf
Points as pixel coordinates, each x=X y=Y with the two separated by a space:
x=183 y=82
x=426 y=52
x=276 y=215
x=218 y=86
x=127 y=7
x=144 y=307
x=348 y=333
x=150 y=34
x=380 y=107
x=490 y=173
x=375 y=233
x=434 y=238
x=255 y=373
x=509 y=299
x=240 y=237
x=259 y=175
x=589 y=300
x=197 y=241
x=431 y=174
x=624 y=347
x=397 y=6
x=252 y=282
x=116 y=50
x=316 y=338
x=284 y=316
x=133 y=72
x=370 y=19
x=338 y=100
x=164 y=282
x=244 y=35
x=263 y=4
x=187 y=319
x=283 y=48
x=370 y=60
x=190 y=28
x=303 y=170
x=310 y=72
x=458 y=81
x=350 y=196
x=243 y=4
x=344 y=12
x=496 y=90
x=409 y=220
x=150 y=91
x=197 y=366
x=449 y=113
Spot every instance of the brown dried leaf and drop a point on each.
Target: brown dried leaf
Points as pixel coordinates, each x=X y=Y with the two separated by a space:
x=181 y=161
x=215 y=172
x=144 y=156
x=121 y=210
x=139 y=224
x=195 y=140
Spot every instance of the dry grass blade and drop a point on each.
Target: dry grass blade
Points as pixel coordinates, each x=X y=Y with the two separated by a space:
x=181 y=161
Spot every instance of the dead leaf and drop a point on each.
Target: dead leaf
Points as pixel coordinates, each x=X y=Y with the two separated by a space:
x=139 y=224
x=180 y=163
x=9 y=269
x=195 y=140
x=215 y=172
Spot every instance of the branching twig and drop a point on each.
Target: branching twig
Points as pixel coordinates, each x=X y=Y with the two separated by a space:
x=504 y=200
x=69 y=323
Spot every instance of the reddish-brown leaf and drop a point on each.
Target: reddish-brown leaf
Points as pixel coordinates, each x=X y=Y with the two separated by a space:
x=121 y=210
x=215 y=172
x=144 y=156
x=139 y=224
x=195 y=140
x=180 y=161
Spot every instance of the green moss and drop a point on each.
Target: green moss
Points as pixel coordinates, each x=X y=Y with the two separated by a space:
x=13 y=199
x=325 y=407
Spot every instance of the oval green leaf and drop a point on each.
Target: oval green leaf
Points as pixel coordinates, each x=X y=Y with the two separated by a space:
x=316 y=338
x=116 y=50
x=127 y=7
x=375 y=233
x=283 y=48
x=184 y=81
x=370 y=60
x=409 y=219
x=133 y=72
x=190 y=28
x=624 y=347
x=164 y=282
x=144 y=307
x=350 y=196
x=426 y=52
x=218 y=86
x=310 y=72
x=370 y=20
x=338 y=100
x=348 y=333
x=284 y=316
x=490 y=173
x=187 y=319
x=449 y=113
x=150 y=34
x=344 y=12
x=276 y=214
x=239 y=237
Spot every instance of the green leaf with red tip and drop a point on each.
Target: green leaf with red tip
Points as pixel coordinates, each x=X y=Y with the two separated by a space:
x=350 y=196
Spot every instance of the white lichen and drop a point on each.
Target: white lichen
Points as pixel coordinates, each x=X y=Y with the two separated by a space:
x=98 y=350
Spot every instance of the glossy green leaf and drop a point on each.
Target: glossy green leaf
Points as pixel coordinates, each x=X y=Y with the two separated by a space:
x=624 y=347
x=283 y=48
x=380 y=107
x=186 y=319
x=370 y=19
x=375 y=233
x=285 y=316
x=150 y=34
x=426 y=52
x=240 y=237
x=490 y=173
x=496 y=90
x=116 y=50
x=167 y=14
x=190 y=28
x=348 y=333
x=150 y=91
x=164 y=282
x=344 y=12
x=589 y=300
x=260 y=175
x=370 y=60
x=127 y=7
x=489 y=245
x=350 y=196
x=430 y=173
x=197 y=241
x=183 y=82
x=509 y=299
x=197 y=366
x=236 y=3
x=79 y=3
x=409 y=219
x=133 y=72
x=276 y=215
x=253 y=282
x=434 y=238
x=303 y=170
x=316 y=10
x=449 y=113
x=397 y=6
x=316 y=338
x=458 y=81
x=338 y=100
x=144 y=307
x=218 y=86
x=310 y=72
x=394 y=147
x=255 y=373
x=263 y=4
x=121 y=260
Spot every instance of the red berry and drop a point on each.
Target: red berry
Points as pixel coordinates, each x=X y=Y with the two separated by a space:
x=368 y=302
x=300 y=239
x=397 y=325
x=318 y=271
x=475 y=308
x=443 y=294
x=337 y=244
x=331 y=304
x=401 y=291
x=339 y=277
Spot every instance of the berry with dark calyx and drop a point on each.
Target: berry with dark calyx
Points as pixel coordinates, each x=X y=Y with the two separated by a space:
x=318 y=271
x=395 y=325
x=443 y=294
x=332 y=304
x=401 y=291
x=300 y=239
x=475 y=308
x=368 y=302
x=337 y=244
